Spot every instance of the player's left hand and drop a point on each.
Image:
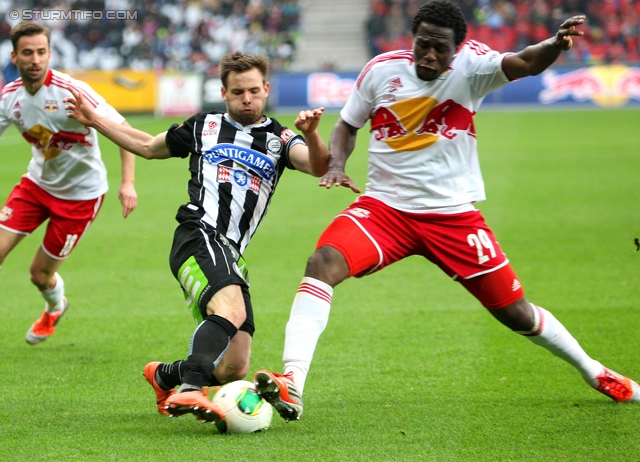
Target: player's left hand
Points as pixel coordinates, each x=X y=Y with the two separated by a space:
x=567 y=29
x=77 y=108
x=128 y=198
x=307 y=121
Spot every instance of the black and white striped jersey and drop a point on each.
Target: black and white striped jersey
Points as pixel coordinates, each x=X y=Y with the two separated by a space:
x=234 y=170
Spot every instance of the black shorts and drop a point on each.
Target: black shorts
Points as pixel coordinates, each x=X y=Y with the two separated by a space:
x=204 y=261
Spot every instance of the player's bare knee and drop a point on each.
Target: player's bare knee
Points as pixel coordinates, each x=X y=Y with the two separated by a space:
x=237 y=317
x=43 y=280
x=232 y=372
x=517 y=316
x=238 y=372
x=328 y=265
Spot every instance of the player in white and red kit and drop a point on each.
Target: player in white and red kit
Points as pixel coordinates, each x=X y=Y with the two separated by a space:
x=66 y=179
x=423 y=179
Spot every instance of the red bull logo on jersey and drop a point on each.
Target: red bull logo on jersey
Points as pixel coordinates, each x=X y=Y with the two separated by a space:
x=448 y=119
x=52 y=144
x=605 y=86
x=51 y=105
x=417 y=123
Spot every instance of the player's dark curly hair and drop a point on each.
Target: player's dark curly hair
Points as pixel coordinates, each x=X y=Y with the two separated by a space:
x=443 y=13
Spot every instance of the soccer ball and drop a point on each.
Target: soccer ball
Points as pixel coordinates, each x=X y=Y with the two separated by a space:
x=243 y=408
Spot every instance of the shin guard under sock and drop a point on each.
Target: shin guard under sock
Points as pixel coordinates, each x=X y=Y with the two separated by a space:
x=209 y=343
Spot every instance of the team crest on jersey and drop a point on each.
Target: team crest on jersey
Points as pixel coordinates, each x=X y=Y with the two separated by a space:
x=51 y=105
x=274 y=146
x=240 y=178
x=6 y=213
x=16 y=114
x=360 y=213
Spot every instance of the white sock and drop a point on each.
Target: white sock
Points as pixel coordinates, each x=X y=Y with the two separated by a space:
x=54 y=295
x=549 y=333
x=308 y=319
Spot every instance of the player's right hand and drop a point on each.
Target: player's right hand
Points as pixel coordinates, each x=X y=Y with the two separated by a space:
x=77 y=108
x=307 y=121
x=338 y=178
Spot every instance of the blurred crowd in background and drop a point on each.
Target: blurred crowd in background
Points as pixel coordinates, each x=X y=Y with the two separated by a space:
x=612 y=30
x=189 y=35
x=183 y=35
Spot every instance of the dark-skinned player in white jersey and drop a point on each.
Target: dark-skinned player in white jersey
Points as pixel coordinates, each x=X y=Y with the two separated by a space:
x=423 y=180
x=236 y=160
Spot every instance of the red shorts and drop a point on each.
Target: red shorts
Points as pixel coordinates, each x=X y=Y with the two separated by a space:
x=372 y=235
x=28 y=206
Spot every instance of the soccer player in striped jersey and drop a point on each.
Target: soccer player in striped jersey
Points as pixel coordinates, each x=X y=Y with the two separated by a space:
x=424 y=178
x=66 y=179
x=236 y=159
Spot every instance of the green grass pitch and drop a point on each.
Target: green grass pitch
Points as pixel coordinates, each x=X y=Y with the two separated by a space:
x=410 y=367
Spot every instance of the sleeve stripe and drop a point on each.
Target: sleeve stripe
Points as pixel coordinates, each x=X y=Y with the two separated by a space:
x=13 y=86
x=403 y=54
x=58 y=82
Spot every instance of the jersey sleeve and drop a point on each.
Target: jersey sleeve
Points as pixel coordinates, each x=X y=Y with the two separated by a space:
x=180 y=138
x=5 y=122
x=483 y=67
x=357 y=109
x=290 y=139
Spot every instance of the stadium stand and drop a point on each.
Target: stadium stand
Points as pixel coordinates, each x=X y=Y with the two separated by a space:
x=612 y=31
x=189 y=35
x=184 y=35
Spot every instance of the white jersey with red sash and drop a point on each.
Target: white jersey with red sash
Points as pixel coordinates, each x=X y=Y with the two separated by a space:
x=422 y=151
x=66 y=160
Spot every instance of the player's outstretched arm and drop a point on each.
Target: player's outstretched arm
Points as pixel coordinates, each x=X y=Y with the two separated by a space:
x=313 y=157
x=341 y=144
x=536 y=58
x=127 y=192
x=136 y=141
